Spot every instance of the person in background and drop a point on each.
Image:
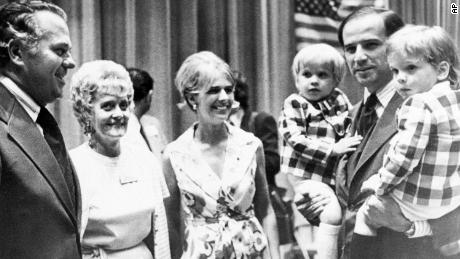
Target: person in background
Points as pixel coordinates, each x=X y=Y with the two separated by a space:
x=264 y=127
x=261 y=124
x=152 y=136
x=313 y=123
x=137 y=137
x=121 y=194
x=216 y=173
x=39 y=192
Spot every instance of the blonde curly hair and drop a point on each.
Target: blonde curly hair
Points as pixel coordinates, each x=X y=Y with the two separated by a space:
x=95 y=78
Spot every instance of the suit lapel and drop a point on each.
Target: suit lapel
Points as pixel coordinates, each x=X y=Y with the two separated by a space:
x=384 y=130
x=77 y=194
x=351 y=158
x=354 y=118
x=24 y=131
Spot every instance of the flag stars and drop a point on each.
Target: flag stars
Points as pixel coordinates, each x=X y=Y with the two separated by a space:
x=318 y=7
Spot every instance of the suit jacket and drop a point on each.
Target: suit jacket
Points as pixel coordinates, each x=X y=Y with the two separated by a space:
x=352 y=172
x=264 y=126
x=39 y=217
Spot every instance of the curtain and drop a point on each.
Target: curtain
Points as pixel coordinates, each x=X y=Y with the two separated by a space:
x=429 y=12
x=254 y=37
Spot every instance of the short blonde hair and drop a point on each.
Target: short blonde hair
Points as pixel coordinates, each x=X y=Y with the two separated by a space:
x=320 y=53
x=95 y=78
x=432 y=44
x=199 y=70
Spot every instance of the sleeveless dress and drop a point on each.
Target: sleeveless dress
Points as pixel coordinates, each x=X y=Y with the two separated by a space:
x=121 y=198
x=219 y=212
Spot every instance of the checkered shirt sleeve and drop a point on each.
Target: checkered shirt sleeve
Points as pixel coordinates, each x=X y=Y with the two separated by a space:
x=422 y=163
x=308 y=135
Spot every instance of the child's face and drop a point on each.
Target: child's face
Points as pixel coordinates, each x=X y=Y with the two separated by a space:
x=315 y=81
x=412 y=74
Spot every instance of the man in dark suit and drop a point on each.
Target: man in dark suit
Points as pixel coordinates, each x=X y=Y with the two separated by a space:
x=39 y=191
x=362 y=35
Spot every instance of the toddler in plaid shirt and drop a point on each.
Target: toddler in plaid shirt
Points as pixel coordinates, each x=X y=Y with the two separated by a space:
x=421 y=170
x=312 y=125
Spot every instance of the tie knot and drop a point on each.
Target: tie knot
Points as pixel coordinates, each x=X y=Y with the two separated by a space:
x=371 y=102
x=45 y=119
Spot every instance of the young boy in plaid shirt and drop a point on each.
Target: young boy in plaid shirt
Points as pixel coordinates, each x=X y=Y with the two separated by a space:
x=312 y=124
x=421 y=170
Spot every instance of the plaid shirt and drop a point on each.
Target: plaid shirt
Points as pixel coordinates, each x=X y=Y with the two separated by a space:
x=308 y=134
x=423 y=161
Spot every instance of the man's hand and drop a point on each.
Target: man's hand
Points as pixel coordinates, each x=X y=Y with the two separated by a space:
x=311 y=207
x=346 y=145
x=383 y=211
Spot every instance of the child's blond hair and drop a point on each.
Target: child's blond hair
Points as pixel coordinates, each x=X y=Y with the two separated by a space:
x=320 y=53
x=433 y=44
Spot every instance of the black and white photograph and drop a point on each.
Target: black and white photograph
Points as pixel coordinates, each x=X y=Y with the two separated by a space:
x=229 y=129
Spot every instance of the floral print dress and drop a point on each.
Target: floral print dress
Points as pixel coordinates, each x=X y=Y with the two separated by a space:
x=219 y=212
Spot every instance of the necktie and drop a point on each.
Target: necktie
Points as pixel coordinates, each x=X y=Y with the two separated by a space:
x=366 y=122
x=55 y=141
x=368 y=116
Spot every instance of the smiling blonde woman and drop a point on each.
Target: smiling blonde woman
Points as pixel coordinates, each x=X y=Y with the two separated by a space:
x=216 y=172
x=121 y=196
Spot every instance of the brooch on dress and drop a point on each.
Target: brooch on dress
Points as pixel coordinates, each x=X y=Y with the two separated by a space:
x=125 y=179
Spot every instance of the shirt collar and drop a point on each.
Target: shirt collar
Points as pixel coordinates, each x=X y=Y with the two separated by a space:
x=31 y=107
x=442 y=86
x=384 y=94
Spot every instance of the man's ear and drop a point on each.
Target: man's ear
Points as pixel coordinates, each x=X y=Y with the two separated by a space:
x=15 y=52
x=443 y=70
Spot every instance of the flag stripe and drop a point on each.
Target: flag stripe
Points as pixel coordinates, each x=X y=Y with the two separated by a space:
x=306 y=33
x=305 y=42
x=320 y=28
x=320 y=20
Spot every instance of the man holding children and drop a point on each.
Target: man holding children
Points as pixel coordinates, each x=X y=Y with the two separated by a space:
x=403 y=143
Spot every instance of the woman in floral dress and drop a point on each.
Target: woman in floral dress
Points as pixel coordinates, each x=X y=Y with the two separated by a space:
x=219 y=205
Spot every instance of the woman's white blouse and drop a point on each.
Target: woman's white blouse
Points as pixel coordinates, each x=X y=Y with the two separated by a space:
x=120 y=196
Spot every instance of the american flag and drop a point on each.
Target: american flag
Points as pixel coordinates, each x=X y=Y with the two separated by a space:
x=316 y=21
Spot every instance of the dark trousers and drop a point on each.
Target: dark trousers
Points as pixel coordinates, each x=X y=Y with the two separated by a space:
x=390 y=244
x=395 y=245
